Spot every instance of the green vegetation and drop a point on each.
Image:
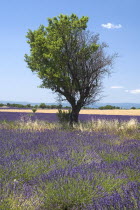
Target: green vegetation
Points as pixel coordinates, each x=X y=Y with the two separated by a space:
x=34 y=110
x=63 y=116
x=42 y=106
x=60 y=106
x=133 y=107
x=69 y=60
x=51 y=166
x=109 y=107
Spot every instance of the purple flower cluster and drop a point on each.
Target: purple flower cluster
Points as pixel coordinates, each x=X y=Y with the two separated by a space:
x=14 y=116
x=31 y=160
x=87 y=117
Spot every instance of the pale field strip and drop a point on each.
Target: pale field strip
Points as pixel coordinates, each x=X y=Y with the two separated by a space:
x=135 y=112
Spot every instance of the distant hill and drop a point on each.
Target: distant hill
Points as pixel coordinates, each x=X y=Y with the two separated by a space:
x=96 y=105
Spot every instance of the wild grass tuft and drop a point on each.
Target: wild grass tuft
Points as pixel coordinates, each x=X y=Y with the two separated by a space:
x=25 y=123
x=129 y=128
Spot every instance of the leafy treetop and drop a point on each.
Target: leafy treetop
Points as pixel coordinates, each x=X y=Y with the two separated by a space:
x=68 y=59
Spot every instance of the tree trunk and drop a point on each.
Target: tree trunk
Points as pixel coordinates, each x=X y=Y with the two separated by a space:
x=74 y=115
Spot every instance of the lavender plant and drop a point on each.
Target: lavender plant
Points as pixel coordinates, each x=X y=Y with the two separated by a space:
x=68 y=169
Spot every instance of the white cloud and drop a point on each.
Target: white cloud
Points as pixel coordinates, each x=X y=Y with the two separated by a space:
x=116 y=87
x=111 y=26
x=136 y=91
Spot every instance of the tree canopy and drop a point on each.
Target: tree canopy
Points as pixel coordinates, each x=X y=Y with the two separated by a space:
x=69 y=60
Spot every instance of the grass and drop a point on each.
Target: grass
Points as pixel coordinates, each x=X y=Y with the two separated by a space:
x=48 y=166
x=27 y=124
x=128 y=129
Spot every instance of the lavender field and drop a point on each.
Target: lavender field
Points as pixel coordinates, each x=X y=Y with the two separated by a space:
x=96 y=165
x=52 y=117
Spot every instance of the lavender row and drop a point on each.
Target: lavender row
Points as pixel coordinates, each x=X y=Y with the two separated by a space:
x=51 y=117
x=73 y=169
x=14 y=116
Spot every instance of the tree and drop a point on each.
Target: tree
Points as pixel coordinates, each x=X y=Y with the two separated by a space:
x=69 y=60
x=28 y=106
x=133 y=107
x=109 y=107
x=42 y=106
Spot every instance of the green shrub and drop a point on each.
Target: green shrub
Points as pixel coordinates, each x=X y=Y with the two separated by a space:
x=109 y=107
x=133 y=107
x=42 y=106
x=34 y=110
x=63 y=116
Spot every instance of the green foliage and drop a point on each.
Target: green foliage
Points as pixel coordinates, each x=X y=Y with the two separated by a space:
x=34 y=110
x=69 y=60
x=28 y=106
x=68 y=194
x=63 y=116
x=110 y=183
x=49 y=57
x=133 y=107
x=60 y=106
x=113 y=157
x=42 y=106
x=36 y=106
x=6 y=204
x=16 y=105
x=133 y=175
x=109 y=107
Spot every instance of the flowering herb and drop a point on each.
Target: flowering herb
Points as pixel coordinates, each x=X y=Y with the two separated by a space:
x=67 y=169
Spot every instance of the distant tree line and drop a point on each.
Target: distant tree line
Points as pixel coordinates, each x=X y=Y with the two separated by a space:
x=109 y=107
x=114 y=107
x=29 y=106
x=45 y=106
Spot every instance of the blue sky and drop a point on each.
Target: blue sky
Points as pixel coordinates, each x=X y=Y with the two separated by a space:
x=117 y=22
